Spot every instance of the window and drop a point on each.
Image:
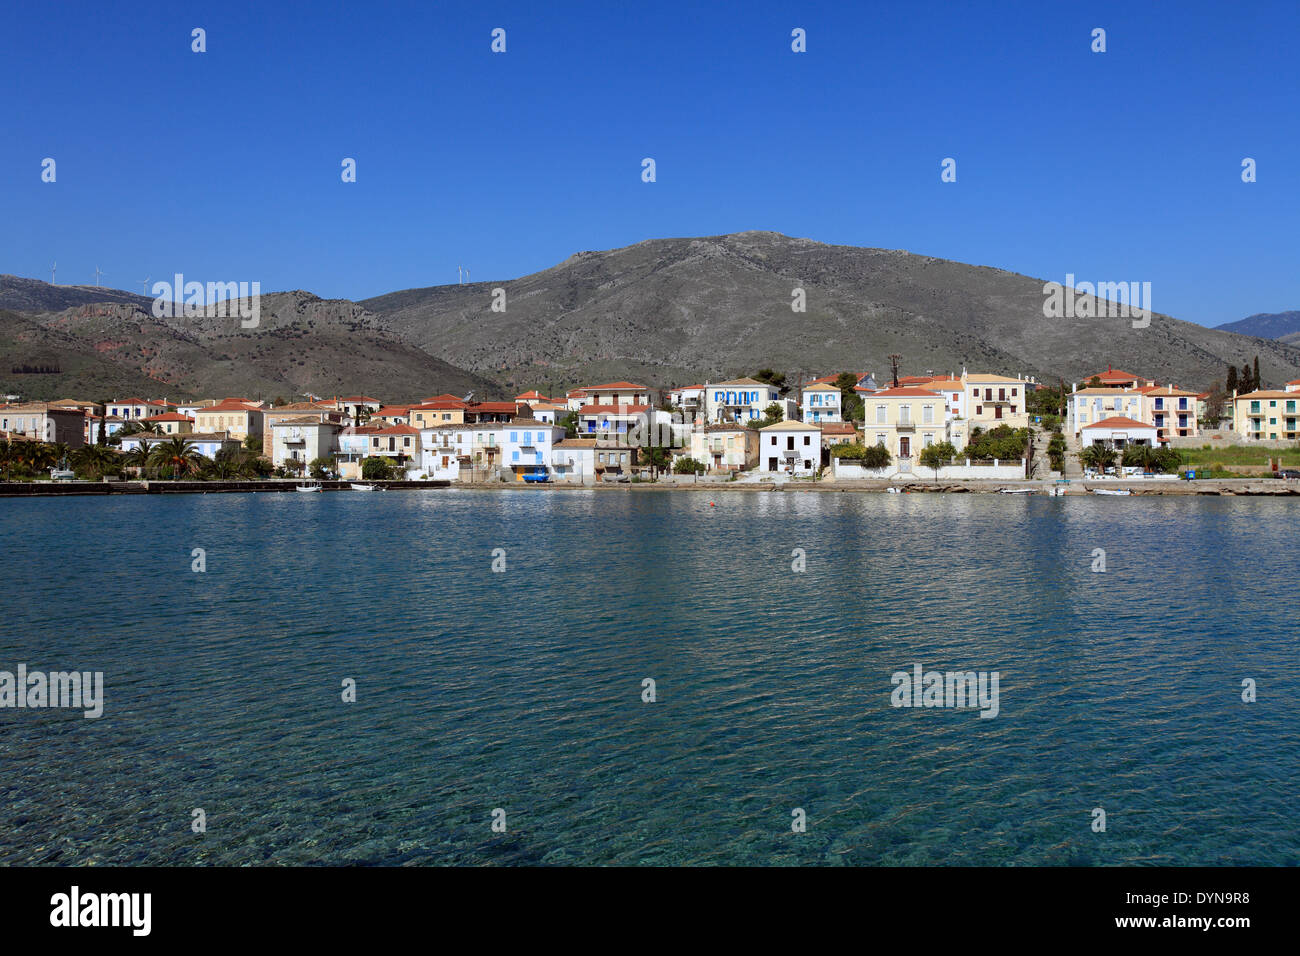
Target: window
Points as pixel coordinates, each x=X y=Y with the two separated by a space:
x=927 y=414
x=514 y=456
x=514 y=436
x=807 y=439
x=882 y=414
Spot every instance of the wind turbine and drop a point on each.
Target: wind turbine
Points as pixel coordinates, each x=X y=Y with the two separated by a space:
x=98 y=272
x=144 y=285
x=460 y=275
x=53 y=269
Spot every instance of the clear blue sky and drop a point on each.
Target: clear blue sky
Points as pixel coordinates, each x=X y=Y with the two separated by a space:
x=225 y=165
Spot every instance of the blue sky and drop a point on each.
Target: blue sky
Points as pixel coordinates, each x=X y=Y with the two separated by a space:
x=226 y=165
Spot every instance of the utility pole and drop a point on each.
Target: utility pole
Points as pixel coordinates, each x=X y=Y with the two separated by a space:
x=893 y=368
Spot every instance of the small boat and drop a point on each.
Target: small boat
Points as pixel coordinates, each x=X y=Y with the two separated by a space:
x=894 y=491
x=1111 y=491
x=357 y=486
x=308 y=487
x=1016 y=491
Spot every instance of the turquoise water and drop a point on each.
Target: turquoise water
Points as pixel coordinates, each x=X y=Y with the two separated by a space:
x=522 y=689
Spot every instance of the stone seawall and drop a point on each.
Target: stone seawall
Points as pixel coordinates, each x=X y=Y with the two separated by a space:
x=16 y=489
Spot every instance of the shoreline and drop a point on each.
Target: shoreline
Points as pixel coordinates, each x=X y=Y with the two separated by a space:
x=1211 y=487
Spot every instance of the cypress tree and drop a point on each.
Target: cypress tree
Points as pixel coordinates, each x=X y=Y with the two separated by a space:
x=1256 y=379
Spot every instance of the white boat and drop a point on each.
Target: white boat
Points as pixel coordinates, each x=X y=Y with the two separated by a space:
x=307 y=487
x=1016 y=491
x=894 y=491
x=357 y=486
x=1111 y=491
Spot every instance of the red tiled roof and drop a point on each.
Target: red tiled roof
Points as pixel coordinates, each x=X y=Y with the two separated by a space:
x=1118 y=422
x=492 y=407
x=394 y=430
x=612 y=409
x=228 y=406
x=623 y=386
x=906 y=391
x=170 y=417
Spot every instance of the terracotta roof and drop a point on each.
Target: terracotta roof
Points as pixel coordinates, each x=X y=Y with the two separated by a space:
x=492 y=407
x=623 y=386
x=445 y=404
x=393 y=411
x=820 y=387
x=612 y=409
x=905 y=391
x=1118 y=422
x=1268 y=393
x=170 y=417
x=359 y=398
x=228 y=406
x=576 y=443
x=396 y=430
x=988 y=377
x=742 y=381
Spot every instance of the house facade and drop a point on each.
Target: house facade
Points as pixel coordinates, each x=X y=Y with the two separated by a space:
x=792 y=448
x=906 y=420
x=821 y=403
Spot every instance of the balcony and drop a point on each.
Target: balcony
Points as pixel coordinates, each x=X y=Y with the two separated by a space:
x=906 y=425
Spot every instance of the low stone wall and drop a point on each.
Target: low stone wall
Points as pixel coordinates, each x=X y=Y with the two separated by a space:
x=844 y=469
x=16 y=489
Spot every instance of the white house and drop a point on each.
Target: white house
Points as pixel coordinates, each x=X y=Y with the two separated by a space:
x=303 y=439
x=793 y=448
x=485 y=451
x=821 y=403
x=1118 y=433
x=574 y=459
x=739 y=400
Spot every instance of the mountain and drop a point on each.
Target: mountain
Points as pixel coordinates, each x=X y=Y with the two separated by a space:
x=674 y=311
x=32 y=295
x=1284 y=326
x=664 y=311
x=301 y=344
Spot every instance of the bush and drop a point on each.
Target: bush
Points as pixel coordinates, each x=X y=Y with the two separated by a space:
x=689 y=466
x=376 y=469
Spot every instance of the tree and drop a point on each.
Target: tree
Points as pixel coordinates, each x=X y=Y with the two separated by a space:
x=771 y=415
x=570 y=424
x=937 y=455
x=1246 y=384
x=1255 y=379
x=769 y=377
x=1231 y=385
x=253 y=443
x=877 y=456
x=321 y=468
x=376 y=468
x=95 y=461
x=176 y=457
x=689 y=466
x=658 y=457
x=1098 y=456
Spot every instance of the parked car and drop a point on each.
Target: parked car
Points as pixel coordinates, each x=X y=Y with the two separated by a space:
x=1287 y=473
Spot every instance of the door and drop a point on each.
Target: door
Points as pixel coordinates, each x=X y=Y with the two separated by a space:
x=997 y=411
x=771 y=463
x=904 y=447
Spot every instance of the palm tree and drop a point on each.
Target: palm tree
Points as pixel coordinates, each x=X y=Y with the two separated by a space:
x=137 y=457
x=176 y=455
x=96 y=460
x=137 y=427
x=1141 y=456
x=1097 y=456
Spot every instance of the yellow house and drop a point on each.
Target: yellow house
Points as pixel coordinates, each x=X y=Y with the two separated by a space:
x=1266 y=415
x=235 y=418
x=1172 y=411
x=905 y=420
x=993 y=400
x=437 y=412
x=173 y=423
